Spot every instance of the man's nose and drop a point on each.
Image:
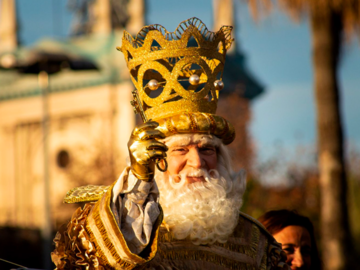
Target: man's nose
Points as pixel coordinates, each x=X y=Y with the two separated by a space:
x=298 y=259
x=194 y=158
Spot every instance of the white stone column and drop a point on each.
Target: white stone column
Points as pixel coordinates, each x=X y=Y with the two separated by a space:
x=101 y=11
x=136 y=10
x=8 y=39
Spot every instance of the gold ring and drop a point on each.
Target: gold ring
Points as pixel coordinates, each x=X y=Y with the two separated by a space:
x=157 y=161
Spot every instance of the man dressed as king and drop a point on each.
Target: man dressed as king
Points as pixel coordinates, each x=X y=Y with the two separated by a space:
x=177 y=204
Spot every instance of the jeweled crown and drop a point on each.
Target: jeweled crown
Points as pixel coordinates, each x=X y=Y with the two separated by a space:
x=177 y=72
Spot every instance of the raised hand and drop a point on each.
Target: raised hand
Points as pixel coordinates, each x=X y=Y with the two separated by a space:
x=144 y=149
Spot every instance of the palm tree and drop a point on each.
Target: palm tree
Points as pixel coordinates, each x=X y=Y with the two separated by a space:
x=331 y=22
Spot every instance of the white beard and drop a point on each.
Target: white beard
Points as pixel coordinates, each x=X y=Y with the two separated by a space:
x=204 y=212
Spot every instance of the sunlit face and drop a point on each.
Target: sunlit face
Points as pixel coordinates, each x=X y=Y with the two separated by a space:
x=182 y=158
x=296 y=242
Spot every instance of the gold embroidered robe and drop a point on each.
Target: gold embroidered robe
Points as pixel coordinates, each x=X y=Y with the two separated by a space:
x=93 y=240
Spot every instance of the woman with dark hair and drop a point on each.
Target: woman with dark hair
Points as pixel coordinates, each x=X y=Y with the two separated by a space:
x=296 y=234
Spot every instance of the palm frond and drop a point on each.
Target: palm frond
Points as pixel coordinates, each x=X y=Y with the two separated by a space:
x=299 y=9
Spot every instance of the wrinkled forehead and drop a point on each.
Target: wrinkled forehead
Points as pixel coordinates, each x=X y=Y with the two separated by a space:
x=188 y=139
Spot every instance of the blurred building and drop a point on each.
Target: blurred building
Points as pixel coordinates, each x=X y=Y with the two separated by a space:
x=73 y=128
x=85 y=107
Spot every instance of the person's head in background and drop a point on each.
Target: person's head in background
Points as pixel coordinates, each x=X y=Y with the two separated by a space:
x=296 y=234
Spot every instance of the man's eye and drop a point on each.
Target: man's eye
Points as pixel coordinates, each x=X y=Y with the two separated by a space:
x=207 y=150
x=179 y=150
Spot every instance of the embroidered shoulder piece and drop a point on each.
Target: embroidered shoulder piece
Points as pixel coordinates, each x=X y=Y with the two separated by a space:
x=85 y=194
x=258 y=223
x=276 y=257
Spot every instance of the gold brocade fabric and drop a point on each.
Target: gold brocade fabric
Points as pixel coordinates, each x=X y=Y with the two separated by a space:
x=250 y=247
x=85 y=194
x=73 y=248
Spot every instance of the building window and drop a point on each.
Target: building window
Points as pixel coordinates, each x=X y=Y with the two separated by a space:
x=63 y=159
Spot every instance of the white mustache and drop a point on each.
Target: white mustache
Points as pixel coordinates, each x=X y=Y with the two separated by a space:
x=187 y=173
x=195 y=173
x=207 y=175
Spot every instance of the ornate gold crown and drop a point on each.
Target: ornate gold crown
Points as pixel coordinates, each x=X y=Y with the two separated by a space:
x=179 y=72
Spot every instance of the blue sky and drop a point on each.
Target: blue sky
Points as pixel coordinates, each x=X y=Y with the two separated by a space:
x=278 y=53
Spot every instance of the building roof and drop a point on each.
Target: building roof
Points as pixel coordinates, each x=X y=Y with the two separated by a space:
x=74 y=63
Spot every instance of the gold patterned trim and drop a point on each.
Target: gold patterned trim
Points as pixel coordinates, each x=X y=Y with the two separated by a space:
x=88 y=193
x=212 y=122
x=226 y=129
x=93 y=239
x=110 y=217
x=196 y=122
x=200 y=255
x=169 y=126
x=193 y=124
